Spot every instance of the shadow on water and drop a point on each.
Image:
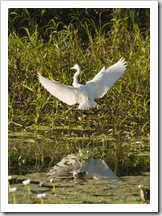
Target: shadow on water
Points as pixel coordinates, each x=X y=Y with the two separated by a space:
x=33 y=152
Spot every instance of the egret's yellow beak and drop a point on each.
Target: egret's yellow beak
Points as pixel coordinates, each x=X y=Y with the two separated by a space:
x=72 y=68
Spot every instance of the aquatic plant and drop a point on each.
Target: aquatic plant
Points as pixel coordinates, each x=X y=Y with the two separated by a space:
x=41 y=196
x=144 y=193
x=27 y=183
x=54 y=188
x=13 y=190
x=9 y=178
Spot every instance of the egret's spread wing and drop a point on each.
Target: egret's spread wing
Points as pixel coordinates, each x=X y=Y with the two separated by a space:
x=67 y=94
x=101 y=83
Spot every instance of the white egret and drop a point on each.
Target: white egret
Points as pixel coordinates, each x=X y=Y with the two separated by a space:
x=84 y=95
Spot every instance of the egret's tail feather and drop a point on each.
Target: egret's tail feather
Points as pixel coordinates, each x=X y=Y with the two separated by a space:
x=87 y=105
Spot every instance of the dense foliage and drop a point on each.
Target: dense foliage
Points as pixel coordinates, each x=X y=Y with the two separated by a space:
x=52 y=40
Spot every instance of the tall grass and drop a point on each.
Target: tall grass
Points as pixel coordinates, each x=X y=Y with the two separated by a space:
x=126 y=105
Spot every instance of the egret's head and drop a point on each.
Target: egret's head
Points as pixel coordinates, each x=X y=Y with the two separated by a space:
x=76 y=67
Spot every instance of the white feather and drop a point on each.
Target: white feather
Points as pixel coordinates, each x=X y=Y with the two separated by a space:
x=84 y=95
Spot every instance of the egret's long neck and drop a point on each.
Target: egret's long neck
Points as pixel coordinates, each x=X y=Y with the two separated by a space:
x=75 y=78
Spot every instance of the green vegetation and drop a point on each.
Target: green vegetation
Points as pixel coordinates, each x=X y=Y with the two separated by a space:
x=51 y=41
x=68 y=191
x=38 y=150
